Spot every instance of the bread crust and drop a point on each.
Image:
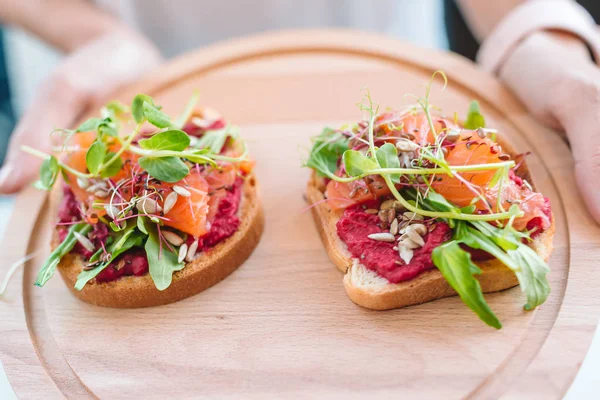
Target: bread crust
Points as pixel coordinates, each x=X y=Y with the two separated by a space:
x=205 y=271
x=368 y=290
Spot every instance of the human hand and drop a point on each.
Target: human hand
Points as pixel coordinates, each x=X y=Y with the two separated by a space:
x=554 y=76
x=85 y=76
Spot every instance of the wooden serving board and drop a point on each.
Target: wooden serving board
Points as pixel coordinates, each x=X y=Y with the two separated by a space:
x=281 y=326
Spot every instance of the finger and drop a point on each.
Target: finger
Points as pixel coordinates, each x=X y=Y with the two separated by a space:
x=56 y=105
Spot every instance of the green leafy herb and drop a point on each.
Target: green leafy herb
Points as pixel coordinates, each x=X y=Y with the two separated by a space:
x=531 y=275
x=59 y=252
x=49 y=171
x=129 y=238
x=474 y=118
x=110 y=170
x=166 y=169
x=89 y=125
x=137 y=107
x=527 y=265
x=457 y=268
x=215 y=140
x=155 y=116
x=162 y=262
x=387 y=157
x=95 y=156
x=327 y=149
x=357 y=163
x=171 y=140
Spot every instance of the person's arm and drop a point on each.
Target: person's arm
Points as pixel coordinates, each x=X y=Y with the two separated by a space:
x=553 y=73
x=64 y=24
x=103 y=54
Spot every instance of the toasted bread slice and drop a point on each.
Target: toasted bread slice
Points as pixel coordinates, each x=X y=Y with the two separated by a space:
x=206 y=270
x=367 y=289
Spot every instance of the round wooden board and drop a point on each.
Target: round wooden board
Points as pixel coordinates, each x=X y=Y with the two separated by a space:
x=282 y=326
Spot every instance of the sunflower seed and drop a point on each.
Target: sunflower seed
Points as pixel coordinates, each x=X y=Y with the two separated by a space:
x=404 y=160
x=382 y=237
x=102 y=185
x=112 y=211
x=419 y=228
x=504 y=157
x=83 y=183
x=173 y=238
x=408 y=243
x=387 y=216
x=414 y=236
x=452 y=135
x=413 y=216
x=101 y=194
x=394 y=227
x=170 y=202
x=371 y=211
x=388 y=204
x=148 y=206
x=481 y=133
x=406 y=254
x=182 y=253
x=181 y=191
x=405 y=145
x=527 y=184
x=85 y=242
x=191 y=251
x=202 y=123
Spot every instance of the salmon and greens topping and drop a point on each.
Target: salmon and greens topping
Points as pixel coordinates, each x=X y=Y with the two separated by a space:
x=148 y=200
x=416 y=191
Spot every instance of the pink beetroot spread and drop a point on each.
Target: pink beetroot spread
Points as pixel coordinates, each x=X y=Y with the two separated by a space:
x=134 y=261
x=354 y=227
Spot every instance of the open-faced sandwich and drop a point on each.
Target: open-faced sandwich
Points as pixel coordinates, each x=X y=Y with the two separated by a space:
x=414 y=207
x=150 y=210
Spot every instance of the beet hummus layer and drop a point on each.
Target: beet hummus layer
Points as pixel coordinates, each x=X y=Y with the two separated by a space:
x=134 y=261
x=355 y=225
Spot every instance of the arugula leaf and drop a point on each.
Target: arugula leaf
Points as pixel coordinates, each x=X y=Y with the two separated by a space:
x=167 y=169
x=141 y=224
x=171 y=140
x=527 y=265
x=437 y=202
x=155 y=116
x=163 y=263
x=89 y=125
x=49 y=171
x=95 y=156
x=113 y=168
x=457 y=268
x=387 y=156
x=531 y=275
x=327 y=149
x=474 y=118
x=357 y=163
x=215 y=139
x=128 y=239
x=59 y=252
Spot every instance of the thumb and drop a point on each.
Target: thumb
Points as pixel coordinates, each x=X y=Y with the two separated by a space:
x=57 y=104
x=578 y=109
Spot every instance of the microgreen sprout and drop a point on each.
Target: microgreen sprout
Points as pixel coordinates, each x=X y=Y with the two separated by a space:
x=414 y=167
x=125 y=179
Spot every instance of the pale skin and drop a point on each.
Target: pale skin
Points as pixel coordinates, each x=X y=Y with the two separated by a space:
x=79 y=80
